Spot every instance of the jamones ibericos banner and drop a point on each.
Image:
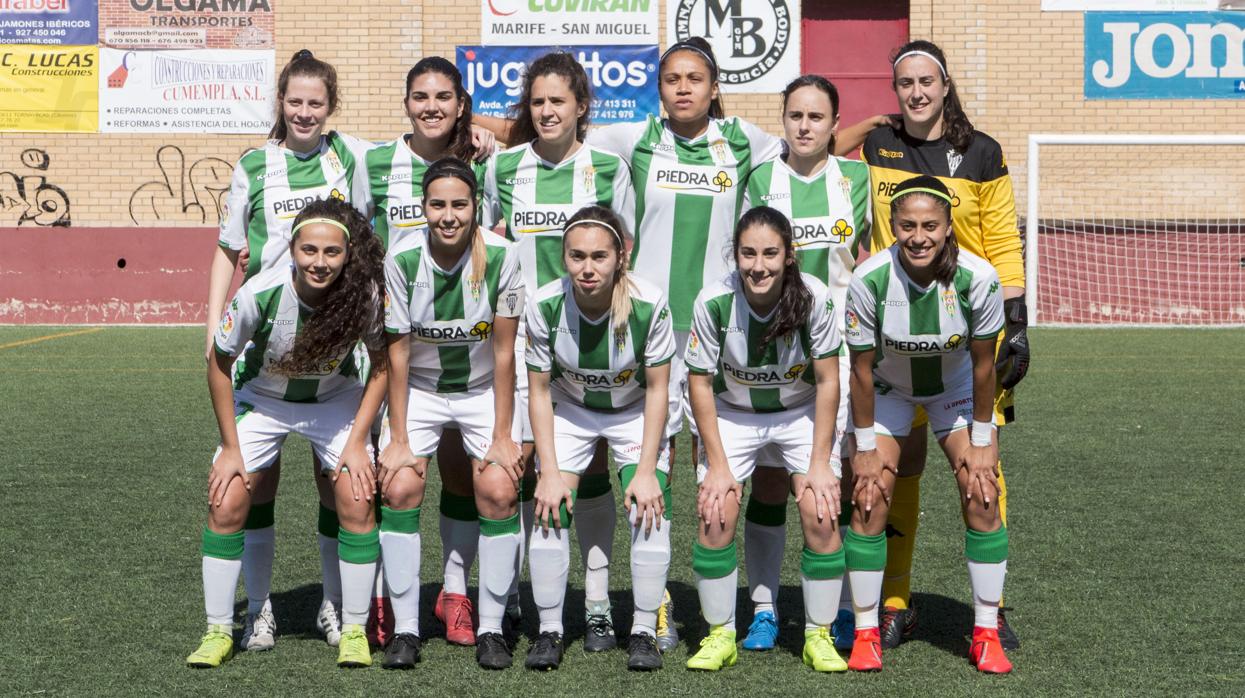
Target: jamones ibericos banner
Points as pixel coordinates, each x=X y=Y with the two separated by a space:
x=196 y=91
x=65 y=22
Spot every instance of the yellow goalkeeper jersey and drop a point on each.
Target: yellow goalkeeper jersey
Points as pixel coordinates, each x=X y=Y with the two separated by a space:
x=983 y=205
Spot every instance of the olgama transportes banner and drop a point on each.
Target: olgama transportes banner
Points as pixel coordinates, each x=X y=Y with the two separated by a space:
x=195 y=91
x=756 y=42
x=1164 y=55
x=568 y=22
x=243 y=24
x=624 y=78
x=49 y=88
x=64 y=22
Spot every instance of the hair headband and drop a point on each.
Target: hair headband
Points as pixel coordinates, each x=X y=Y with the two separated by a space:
x=326 y=221
x=593 y=221
x=925 y=190
x=927 y=54
x=685 y=46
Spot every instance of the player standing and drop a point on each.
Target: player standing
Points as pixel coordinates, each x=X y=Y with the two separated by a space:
x=923 y=317
x=763 y=356
x=827 y=200
x=455 y=295
x=936 y=138
x=299 y=164
x=295 y=334
x=535 y=187
x=599 y=350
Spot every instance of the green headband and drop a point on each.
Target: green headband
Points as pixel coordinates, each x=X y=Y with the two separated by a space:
x=326 y=221
x=925 y=190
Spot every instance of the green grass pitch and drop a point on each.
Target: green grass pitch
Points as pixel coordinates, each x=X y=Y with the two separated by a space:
x=1125 y=517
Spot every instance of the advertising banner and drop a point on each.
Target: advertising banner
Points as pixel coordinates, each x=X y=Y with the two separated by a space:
x=49 y=88
x=48 y=22
x=1164 y=55
x=756 y=42
x=197 y=91
x=245 y=24
x=1137 y=5
x=568 y=22
x=624 y=78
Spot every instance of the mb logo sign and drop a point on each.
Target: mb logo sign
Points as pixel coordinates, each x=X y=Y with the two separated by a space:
x=1185 y=55
x=756 y=42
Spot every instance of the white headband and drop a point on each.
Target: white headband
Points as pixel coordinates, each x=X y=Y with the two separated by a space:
x=928 y=55
x=593 y=221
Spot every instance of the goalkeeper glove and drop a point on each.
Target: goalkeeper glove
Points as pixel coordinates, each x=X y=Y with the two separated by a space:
x=1013 y=359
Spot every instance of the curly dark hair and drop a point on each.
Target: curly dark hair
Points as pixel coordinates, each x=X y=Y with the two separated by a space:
x=958 y=130
x=557 y=63
x=796 y=301
x=460 y=142
x=353 y=310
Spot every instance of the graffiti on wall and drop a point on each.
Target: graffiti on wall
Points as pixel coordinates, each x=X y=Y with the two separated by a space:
x=182 y=193
x=26 y=196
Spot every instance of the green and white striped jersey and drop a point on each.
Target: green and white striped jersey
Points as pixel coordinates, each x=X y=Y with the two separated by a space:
x=272 y=184
x=534 y=197
x=260 y=326
x=725 y=343
x=921 y=335
x=592 y=364
x=395 y=191
x=449 y=318
x=831 y=214
x=689 y=194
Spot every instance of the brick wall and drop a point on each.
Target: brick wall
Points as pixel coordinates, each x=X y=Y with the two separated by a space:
x=1019 y=72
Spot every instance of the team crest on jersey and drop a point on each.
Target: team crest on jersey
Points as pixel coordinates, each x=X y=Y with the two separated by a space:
x=590 y=179
x=720 y=150
x=948 y=301
x=954 y=158
x=512 y=300
x=845 y=186
x=620 y=338
x=334 y=161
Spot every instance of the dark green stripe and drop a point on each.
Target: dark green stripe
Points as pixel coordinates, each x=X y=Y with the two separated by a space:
x=448 y=304
x=257 y=225
x=687 y=271
x=260 y=516
x=555 y=185
x=926 y=375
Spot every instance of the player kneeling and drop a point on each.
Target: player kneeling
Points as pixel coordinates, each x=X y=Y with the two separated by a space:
x=295 y=334
x=599 y=346
x=922 y=320
x=763 y=358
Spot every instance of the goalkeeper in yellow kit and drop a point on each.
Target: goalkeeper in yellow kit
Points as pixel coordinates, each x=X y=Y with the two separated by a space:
x=936 y=138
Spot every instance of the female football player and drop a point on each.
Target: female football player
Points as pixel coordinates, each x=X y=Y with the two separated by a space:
x=294 y=335
x=922 y=320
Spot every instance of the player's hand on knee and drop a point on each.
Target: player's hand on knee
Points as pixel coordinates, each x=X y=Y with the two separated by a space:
x=981 y=464
x=822 y=486
x=719 y=484
x=358 y=466
x=396 y=456
x=868 y=466
x=228 y=465
x=551 y=493
x=644 y=493
x=504 y=452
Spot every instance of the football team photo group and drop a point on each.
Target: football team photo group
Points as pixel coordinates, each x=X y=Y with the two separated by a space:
x=537 y=307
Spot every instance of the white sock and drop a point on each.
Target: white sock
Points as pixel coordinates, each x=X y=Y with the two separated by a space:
x=987 y=581
x=329 y=572
x=594 y=527
x=717 y=599
x=866 y=595
x=763 y=555
x=550 y=553
x=400 y=558
x=527 y=514
x=357 y=582
x=459 y=541
x=498 y=558
x=257 y=554
x=820 y=601
x=220 y=583
x=650 y=563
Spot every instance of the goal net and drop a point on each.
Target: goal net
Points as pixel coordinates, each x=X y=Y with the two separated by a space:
x=1136 y=230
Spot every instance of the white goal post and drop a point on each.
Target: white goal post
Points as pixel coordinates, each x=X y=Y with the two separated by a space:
x=1135 y=230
